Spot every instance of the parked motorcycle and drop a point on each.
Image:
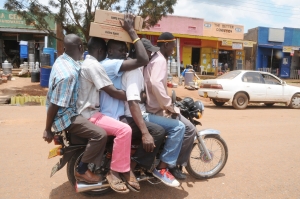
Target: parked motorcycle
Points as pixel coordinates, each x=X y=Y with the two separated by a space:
x=208 y=156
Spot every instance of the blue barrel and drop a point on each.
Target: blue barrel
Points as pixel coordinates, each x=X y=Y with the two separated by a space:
x=44 y=76
x=84 y=54
x=51 y=52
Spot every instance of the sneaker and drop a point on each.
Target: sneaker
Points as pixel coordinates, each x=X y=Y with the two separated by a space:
x=177 y=173
x=166 y=177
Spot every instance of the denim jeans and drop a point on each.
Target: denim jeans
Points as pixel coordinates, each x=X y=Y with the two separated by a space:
x=175 y=132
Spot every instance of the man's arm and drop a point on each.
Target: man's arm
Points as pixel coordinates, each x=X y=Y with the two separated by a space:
x=141 y=54
x=51 y=113
x=148 y=142
x=115 y=93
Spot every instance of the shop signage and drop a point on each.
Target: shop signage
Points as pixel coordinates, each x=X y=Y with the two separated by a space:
x=289 y=49
x=222 y=30
x=10 y=19
x=226 y=42
x=237 y=46
x=247 y=43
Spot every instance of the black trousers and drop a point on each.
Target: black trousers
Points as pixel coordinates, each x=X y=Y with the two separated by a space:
x=96 y=136
x=158 y=133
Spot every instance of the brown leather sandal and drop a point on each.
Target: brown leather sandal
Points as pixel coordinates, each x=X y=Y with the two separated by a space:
x=117 y=185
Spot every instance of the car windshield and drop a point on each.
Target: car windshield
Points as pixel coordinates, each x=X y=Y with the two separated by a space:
x=229 y=75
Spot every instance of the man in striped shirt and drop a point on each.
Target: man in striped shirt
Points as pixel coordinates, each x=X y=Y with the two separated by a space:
x=62 y=113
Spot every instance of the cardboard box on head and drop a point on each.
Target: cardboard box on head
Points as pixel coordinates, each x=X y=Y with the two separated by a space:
x=112 y=19
x=109 y=32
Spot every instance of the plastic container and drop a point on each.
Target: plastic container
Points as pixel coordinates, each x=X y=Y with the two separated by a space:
x=45 y=59
x=51 y=52
x=7 y=67
x=188 y=77
x=44 y=76
x=35 y=76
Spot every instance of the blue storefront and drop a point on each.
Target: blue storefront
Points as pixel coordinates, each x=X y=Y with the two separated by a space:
x=277 y=50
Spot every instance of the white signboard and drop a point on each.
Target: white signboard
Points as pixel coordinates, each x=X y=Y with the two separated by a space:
x=237 y=46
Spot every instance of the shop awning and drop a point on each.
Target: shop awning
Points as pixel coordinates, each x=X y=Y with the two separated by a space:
x=19 y=30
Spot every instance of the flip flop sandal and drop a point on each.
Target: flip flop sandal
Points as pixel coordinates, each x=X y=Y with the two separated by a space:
x=114 y=183
x=128 y=185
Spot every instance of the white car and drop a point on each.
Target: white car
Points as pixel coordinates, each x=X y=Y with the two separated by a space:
x=241 y=87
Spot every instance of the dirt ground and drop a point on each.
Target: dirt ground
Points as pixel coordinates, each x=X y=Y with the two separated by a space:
x=263 y=161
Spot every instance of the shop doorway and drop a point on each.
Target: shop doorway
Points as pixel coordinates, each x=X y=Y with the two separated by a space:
x=226 y=56
x=195 y=59
x=12 y=52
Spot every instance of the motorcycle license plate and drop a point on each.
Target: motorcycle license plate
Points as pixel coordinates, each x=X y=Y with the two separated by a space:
x=205 y=95
x=54 y=152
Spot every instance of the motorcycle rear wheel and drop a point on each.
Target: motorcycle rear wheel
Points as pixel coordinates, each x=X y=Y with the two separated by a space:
x=199 y=166
x=72 y=165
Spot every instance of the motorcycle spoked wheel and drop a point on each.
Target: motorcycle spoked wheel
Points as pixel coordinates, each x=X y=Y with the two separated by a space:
x=199 y=166
x=72 y=165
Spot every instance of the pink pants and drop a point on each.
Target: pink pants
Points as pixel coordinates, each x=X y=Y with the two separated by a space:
x=120 y=161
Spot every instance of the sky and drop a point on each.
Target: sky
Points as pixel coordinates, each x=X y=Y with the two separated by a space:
x=249 y=13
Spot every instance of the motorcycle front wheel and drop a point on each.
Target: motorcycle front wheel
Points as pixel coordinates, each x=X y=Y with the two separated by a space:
x=199 y=166
x=71 y=168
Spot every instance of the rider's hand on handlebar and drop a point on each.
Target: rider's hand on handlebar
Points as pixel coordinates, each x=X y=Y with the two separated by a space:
x=148 y=142
x=48 y=136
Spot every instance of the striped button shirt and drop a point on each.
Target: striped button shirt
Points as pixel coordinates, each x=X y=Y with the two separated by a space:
x=63 y=90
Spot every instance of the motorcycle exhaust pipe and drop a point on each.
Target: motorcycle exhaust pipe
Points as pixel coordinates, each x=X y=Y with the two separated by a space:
x=82 y=187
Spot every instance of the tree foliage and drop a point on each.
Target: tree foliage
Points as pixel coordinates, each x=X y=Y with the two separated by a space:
x=74 y=16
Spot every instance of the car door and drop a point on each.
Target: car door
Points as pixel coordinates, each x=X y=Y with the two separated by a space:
x=275 y=90
x=254 y=85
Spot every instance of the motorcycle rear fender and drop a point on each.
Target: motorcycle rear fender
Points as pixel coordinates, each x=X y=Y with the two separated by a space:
x=68 y=153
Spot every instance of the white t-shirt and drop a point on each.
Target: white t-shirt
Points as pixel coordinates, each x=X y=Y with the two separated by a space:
x=133 y=84
x=92 y=78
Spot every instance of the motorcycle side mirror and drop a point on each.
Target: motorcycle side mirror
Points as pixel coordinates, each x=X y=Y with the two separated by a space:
x=173 y=96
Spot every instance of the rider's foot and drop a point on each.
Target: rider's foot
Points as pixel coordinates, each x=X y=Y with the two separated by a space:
x=166 y=177
x=177 y=173
x=131 y=180
x=88 y=177
x=116 y=182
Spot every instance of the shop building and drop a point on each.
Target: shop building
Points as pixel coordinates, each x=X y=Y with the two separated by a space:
x=13 y=29
x=277 y=50
x=202 y=43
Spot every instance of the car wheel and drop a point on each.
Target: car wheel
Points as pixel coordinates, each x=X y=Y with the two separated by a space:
x=269 y=104
x=240 y=101
x=295 y=101
x=218 y=103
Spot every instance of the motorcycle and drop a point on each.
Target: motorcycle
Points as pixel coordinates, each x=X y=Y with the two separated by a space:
x=208 y=156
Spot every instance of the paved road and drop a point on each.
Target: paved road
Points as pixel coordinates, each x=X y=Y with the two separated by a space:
x=264 y=157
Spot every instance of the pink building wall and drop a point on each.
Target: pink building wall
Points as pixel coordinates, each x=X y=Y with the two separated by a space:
x=179 y=25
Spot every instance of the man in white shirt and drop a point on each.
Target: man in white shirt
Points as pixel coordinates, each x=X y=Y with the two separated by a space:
x=133 y=84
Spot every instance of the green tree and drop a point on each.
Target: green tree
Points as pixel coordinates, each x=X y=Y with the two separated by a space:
x=74 y=16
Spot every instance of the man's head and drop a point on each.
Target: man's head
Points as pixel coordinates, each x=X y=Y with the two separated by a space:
x=166 y=42
x=149 y=47
x=97 y=48
x=73 y=46
x=116 y=49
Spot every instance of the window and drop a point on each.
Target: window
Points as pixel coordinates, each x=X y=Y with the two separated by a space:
x=252 y=77
x=270 y=79
x=230 y=75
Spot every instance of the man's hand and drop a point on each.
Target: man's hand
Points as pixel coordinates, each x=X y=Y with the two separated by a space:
x=148 y=142
x=128 y=23
x=48 y=136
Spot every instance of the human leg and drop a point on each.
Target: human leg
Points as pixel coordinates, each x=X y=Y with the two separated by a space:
x=186 y=148
x=94 y=150
x=120 y=162
x=141 y=156
x=175 y=131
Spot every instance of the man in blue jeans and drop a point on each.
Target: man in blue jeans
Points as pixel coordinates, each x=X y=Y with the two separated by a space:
x=133 y=84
